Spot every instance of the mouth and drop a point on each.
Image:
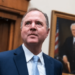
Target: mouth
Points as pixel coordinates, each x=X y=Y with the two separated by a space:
x=32 y=35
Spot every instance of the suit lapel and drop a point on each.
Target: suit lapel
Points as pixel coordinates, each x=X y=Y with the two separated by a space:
x=48 y=65
x=71 y=43
x=20 y=61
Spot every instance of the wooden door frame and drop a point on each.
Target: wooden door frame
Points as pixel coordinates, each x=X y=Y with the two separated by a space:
x=17 y=18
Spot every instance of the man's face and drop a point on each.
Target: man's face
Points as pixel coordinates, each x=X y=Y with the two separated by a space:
x=34 y=28
x=73 y=30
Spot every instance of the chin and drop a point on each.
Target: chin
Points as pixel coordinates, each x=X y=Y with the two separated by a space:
x=33 y=40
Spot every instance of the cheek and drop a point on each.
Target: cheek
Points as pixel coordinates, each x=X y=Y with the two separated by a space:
x=43 y=34
x=23 y=33
x=73 y=32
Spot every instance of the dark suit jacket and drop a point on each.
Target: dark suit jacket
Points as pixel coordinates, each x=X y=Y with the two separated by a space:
x=14 y=63
x=67 y=50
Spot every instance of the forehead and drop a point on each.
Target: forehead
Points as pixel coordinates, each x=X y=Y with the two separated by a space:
x=35 y=14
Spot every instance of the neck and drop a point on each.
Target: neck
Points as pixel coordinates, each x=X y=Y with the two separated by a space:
x=34 y=48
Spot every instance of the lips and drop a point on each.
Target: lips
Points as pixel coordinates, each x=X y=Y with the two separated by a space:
x=33 y=34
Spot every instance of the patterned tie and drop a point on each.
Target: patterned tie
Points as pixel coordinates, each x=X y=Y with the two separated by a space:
x=35 y=69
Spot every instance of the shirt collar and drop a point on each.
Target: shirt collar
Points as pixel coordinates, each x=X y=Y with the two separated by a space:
x=73 y=39
x=29 y=54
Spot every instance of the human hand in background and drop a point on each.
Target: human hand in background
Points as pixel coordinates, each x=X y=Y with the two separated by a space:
x=67 y=63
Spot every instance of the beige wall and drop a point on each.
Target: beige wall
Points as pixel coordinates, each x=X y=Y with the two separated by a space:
x=47 y=6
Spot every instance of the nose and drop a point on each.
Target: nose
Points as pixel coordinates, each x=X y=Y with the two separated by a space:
x=33 y=24
x=33 y=27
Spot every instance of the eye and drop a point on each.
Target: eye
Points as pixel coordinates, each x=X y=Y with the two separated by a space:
x=27 y=23
x=38 y=23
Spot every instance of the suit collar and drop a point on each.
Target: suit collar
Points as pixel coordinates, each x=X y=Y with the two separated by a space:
x=21 y=65
x=29 y=54
x=20 y=61
x=49 y=66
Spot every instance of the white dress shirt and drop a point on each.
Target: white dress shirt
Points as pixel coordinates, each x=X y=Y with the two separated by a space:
x=40 y=65
x=73 y=40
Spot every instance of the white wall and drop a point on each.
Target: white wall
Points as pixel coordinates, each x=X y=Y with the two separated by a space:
x=47 y=6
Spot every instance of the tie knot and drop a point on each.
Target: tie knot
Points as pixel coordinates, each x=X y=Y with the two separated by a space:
x=35 y=58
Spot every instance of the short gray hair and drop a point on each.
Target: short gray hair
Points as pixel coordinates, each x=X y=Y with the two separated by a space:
x=72 y=25
x=35 y=9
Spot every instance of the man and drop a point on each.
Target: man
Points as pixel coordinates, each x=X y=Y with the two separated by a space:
x=34 y=30
x=69 y=50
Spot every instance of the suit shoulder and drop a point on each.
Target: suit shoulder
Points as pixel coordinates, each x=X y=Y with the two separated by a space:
x=69 y=38
x=53 y=60
x=9 y=53
x=57 y=65
x=6 y=53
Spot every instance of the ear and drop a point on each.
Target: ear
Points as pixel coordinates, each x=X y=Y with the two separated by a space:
x=48 y=31
x=21 y=28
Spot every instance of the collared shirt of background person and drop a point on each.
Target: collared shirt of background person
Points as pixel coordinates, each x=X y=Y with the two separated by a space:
x=34 y=30
x=68 y=51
